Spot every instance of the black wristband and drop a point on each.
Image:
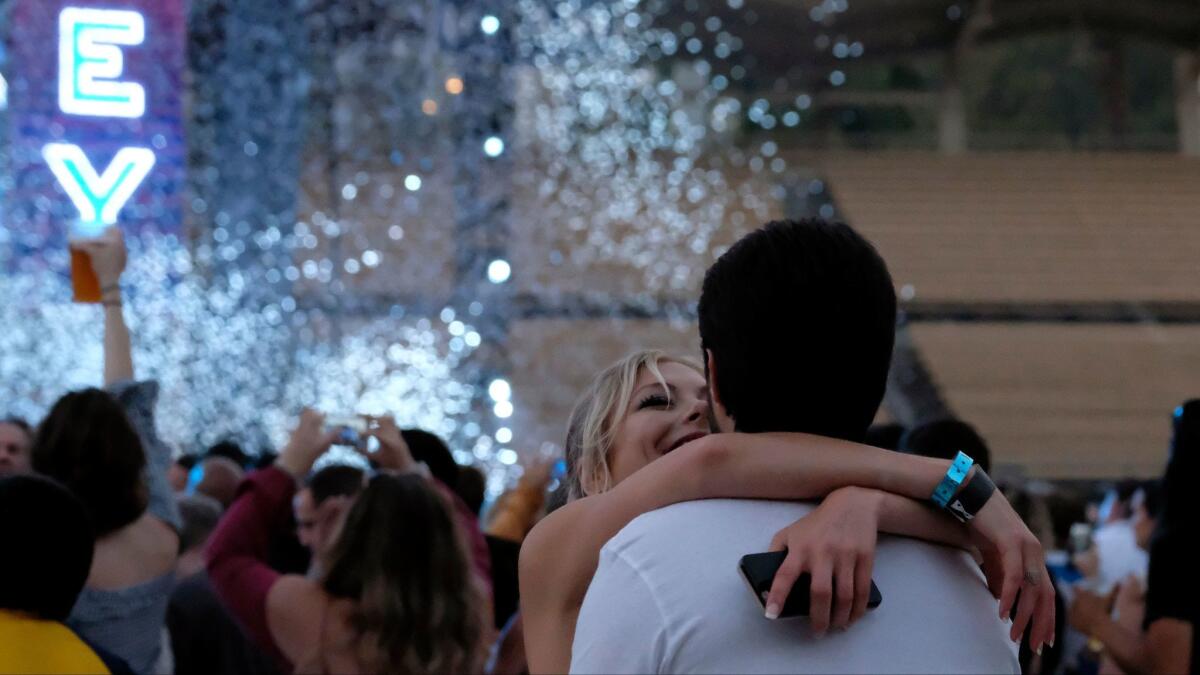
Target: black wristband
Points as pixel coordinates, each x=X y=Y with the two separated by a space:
x=971 y=498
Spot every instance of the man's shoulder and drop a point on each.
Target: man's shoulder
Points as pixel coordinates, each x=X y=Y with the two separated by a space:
x=704 y=522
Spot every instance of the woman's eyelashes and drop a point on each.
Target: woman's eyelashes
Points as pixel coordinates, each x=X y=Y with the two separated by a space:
x=655 y=401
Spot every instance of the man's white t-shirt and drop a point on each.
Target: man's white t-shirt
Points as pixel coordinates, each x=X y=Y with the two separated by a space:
x=668 y=598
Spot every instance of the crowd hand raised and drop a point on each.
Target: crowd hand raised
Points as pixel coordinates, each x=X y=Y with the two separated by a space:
x=107 y=253
x=1015 y=567
x=1130 y=603
x=835 y=544
x=393 y=453
x=538 y=473
x=308 y=442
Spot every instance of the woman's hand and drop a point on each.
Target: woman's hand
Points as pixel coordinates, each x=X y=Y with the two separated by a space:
x=1015 y=567
x=309 y=441
x=835 y=544
x=393 y=453
x=107 y=253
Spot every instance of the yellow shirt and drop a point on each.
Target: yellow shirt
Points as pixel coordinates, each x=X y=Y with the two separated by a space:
x=30 y=645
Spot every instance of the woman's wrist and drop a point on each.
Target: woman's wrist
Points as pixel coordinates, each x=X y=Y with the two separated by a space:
x=291 y=465
x=110 y=294
x=868 y=499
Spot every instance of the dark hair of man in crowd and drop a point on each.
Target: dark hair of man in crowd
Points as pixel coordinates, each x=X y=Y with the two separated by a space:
x=944 y=439
x=800 y=317
x=428 y=448
x=230 y=450
x=88 y=444
x=335 y=480
x=400 y=558
x=471 y=487
x=199 y=515
x=49 y=546
x=18 y=423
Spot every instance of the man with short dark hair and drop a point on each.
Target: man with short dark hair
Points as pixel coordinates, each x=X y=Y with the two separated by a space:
x=797 y=321
x=16 y=438
x=319 y=505
x=48 y=551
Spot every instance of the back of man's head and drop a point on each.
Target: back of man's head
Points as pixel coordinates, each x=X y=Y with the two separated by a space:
x=335 y=480
x=198 y=515
x=800 y=318
x=221 y=476
x=944 y=439
x=48 y=542
x=429 y=448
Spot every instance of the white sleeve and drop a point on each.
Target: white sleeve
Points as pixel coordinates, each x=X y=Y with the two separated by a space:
x=621 y=627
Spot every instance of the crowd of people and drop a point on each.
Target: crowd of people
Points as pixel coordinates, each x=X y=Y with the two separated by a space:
x=896 y=550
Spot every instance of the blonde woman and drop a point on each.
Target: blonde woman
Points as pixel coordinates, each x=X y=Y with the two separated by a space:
x=639 y=440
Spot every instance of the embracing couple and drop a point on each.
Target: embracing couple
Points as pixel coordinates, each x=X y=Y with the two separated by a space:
x=676 y=470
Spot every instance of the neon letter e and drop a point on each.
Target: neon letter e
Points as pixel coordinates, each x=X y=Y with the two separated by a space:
x=89 y=62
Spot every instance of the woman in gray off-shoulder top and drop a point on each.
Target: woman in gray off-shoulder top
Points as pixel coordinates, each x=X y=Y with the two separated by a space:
x=104 y=447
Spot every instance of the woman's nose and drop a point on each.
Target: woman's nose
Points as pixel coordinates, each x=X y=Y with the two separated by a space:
x=698 y=410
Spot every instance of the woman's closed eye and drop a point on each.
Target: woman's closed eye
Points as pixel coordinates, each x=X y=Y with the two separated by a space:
x=655 y=401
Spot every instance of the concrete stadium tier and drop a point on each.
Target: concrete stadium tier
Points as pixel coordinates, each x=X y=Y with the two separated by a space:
x=1026 y=227
x=1067 y=401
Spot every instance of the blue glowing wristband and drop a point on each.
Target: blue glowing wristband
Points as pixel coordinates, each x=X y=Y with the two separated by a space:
x=955 y=475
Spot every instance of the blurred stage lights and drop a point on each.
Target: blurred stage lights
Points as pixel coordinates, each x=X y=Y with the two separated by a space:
x=454 y=86
x=489 y=24
x=493 y=146
x=499 y=271
x=412 y=182
x=503 y=409
x=500 y=390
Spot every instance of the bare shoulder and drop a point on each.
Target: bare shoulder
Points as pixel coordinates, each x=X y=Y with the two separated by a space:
x=552 y=535
x=135 y=554
x=295 y=606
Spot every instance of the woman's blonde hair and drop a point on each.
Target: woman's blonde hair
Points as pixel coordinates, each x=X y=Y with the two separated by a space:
x=592 y=425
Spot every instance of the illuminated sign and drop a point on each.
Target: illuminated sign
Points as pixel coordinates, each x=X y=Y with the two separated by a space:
x=99 y=197
x=95 y=124
x=90 y=60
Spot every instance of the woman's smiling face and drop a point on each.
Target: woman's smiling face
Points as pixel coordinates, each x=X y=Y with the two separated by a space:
x=659 y=419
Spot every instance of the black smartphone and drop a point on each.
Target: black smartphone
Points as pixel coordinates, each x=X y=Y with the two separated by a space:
x=758 y=569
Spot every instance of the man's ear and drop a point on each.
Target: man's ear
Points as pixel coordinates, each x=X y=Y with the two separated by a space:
x=719 y=417
x=710 y=368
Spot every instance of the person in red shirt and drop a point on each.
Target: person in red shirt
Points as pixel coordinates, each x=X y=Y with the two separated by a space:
x=397 y=589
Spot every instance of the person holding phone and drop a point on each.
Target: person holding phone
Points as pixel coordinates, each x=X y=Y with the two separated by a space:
x=643 y=443
x=398 y=560
x=797 y=324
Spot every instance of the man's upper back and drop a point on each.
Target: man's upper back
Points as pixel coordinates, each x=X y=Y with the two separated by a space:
x=668 y=597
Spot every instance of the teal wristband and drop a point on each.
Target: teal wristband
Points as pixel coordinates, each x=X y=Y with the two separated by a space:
x=955 y=475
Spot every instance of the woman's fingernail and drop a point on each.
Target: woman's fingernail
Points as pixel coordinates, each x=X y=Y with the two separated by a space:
x=772 y=611
x=1039 y=650
x=1051 y=643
